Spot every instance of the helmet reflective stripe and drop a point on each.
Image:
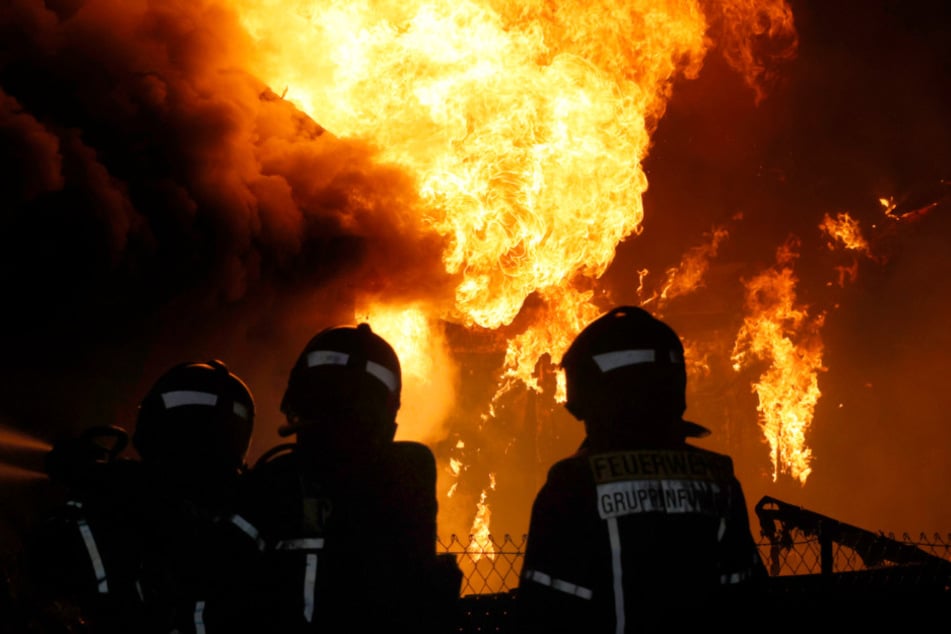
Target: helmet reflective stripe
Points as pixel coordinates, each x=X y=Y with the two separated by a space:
x=326 y=357
x=188 y=397
x=557 y=584
x=331 y=357
x=607 y=361
x=240 y=410
x=178 y=398
x=384 y=374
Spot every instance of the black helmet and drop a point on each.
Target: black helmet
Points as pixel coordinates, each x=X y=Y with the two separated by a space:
x=628 y=358
x=343 y=371
x=197 y=415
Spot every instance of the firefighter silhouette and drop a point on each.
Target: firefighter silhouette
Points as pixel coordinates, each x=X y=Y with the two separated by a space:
x=151 y=545
x=348 y=513
x=639 y=528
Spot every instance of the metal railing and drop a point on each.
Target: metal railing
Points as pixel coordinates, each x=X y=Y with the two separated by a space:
x=793 y=542
x=796 y=542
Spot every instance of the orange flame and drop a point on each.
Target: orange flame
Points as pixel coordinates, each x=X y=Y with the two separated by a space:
x=888 y=205
x=844 y=230
x=428 y=375
x=689 y=275
x=786 y=337
x=455 y=468
x=480 y=543
x=527 y=136
x=525 y=125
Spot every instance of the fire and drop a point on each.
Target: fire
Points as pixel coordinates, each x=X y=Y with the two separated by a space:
x=428 y=377
x=888 y=205
x=525 y=125
x=480 y=543
x=527 y=137
x=455 y=469
x=689 y=275
x=549 y=333
x=785 y=336
x=845 y=232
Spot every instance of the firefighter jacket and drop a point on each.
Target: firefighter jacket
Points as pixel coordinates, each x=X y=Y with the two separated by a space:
x=83 y=558
x=352 y=547
x=624 y=540
x=136 y=549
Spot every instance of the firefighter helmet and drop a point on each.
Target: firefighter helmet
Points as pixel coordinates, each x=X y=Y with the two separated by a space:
x=628 y=358
x=343 y=372
x=197 y=414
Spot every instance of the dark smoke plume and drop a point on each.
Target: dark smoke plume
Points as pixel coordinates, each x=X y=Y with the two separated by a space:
x=160 y=203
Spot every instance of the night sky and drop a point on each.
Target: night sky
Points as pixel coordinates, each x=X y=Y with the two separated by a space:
x=162 y=211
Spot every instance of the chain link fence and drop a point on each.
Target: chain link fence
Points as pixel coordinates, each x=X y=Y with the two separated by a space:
x=489 y=565
x=793 y=542
x=819 y=572
x=493 y=565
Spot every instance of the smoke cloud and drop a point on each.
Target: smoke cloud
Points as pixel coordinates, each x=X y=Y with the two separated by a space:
x=160 y=203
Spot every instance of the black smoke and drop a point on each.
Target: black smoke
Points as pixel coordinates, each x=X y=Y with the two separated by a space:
x=160 y=203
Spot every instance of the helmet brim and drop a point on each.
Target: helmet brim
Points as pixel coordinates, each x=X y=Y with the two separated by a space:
x=693 y=430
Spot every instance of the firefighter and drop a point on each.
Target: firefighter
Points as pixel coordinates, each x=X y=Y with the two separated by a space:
x=639 y=528
x=201 y=566
x=81 y=559
x=152 y=544
x=347 y=512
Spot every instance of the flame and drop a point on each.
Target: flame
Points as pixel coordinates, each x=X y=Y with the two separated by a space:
x=785 y=336
x=888 y=205
x=844 y=230
x=480 y=542
x=428 y=377
x=689 y=275
x=527 y=138
x=455 y=468
x=550 y=332
x=524 y=124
